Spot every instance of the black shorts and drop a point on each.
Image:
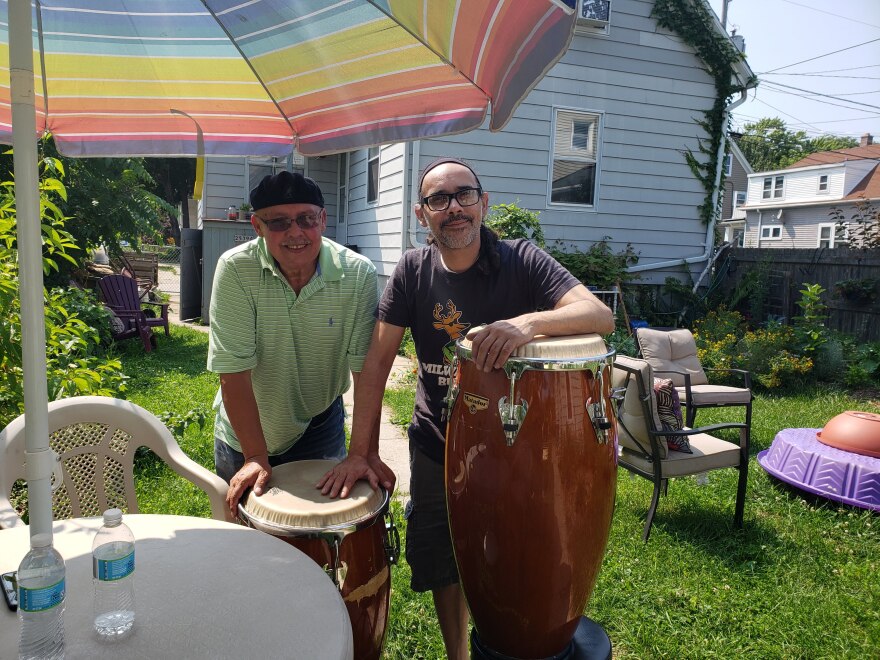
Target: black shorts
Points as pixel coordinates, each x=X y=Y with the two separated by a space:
x=428 y=542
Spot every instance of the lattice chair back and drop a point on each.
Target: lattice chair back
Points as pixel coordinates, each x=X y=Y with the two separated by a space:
x=96 y=439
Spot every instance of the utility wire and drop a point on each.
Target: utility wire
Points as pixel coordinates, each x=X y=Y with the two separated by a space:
x=845 y=18
x=810 y=96
x=813 y=73
x=864 y=43
x=828 y=96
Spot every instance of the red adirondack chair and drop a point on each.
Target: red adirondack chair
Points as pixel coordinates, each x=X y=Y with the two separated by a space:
x=120 y=293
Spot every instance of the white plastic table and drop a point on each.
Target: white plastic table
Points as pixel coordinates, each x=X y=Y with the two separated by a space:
x=203 y=589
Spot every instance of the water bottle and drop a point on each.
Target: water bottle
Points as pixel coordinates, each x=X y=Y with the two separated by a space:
x=41 y=601
x=113 y=572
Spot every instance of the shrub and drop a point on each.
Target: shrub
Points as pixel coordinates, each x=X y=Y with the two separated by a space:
x=76 y=363
x=598 y=266
x=511 y=221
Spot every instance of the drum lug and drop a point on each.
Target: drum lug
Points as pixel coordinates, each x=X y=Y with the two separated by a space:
x=597 y=414
x=512 y=417
x=452 y=393
x=391 y=540
x=338 y=570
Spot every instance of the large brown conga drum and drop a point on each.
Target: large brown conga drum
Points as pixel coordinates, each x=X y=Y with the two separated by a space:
x=353 y=539
x=531 y=469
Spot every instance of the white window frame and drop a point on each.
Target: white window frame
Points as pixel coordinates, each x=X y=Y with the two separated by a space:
x=737 y=195
x=776 y=187
x=573 y=153
x=588 y=23
x=374 y=155
x=823 y=181
x=771 y=233
x=839 y=236
x=728 y=164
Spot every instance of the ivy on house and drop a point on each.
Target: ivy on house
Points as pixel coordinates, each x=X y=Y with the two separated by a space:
x=692 y=21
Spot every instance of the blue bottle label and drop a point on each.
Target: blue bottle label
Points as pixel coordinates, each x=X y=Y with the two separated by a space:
x=114 y=569
x=42 y=599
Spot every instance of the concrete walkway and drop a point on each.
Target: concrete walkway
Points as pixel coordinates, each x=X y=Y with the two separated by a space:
x=393 y=442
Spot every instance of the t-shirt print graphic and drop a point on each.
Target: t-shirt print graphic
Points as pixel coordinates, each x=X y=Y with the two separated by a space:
x=450 y=322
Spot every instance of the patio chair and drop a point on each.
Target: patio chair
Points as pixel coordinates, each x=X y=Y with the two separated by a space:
x=643 y=440
x=96 y=439
x=673 y=354
x=120 y=294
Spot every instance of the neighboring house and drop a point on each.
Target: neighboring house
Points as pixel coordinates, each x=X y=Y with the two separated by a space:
x=596 y=147
x=791 y=208
x=736 y=172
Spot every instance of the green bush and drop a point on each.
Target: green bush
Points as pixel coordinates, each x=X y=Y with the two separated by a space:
x=511 y=221
x=77 y=328
x=598 y=265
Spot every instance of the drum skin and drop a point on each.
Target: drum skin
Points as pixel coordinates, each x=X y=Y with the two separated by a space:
x=529 y=522
x=366 y=589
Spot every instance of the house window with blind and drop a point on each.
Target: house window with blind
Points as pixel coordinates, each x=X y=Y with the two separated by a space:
x=773 y=187
x=373 y=175
x=575 y=145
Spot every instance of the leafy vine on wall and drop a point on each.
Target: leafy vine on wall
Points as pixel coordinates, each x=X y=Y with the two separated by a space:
x=692 y=21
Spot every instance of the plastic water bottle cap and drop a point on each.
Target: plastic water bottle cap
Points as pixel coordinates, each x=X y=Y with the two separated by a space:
x=41 y=540
x=112 y=516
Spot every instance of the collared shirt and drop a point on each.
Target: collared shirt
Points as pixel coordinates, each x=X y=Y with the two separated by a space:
x=301 y=348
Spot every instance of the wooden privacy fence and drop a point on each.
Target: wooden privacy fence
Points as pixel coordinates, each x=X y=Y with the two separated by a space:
x=787 y=270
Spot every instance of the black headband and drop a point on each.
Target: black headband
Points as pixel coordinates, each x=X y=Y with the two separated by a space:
x=440 y=161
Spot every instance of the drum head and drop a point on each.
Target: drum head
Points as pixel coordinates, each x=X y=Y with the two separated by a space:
x=292 y=502
x=555 y=348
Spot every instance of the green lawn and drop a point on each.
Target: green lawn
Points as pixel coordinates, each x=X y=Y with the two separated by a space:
x=800 y=581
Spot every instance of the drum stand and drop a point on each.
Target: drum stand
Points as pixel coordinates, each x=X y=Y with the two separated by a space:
x=589 y=643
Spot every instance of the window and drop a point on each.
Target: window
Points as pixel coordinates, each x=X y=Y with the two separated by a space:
x=342 y=191
x=771 y=232
x=593 y=16
x=739 y=198
x=373 y=175
x=832 y=235
x=728 y=164
x=773 y=187
x=823 y=183
x=574 y=158
x=260 y=166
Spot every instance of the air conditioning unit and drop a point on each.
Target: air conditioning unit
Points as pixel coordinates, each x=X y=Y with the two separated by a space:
x=593 y=16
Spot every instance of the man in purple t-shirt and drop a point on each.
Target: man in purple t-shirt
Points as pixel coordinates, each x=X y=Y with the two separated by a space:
x=465 y=278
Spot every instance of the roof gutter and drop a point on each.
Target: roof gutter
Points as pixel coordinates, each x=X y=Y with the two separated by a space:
x=709 y=243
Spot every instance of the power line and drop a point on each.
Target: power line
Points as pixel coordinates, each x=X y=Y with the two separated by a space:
x=865 y=43
x=829 y=96
x=813 y=73
x=819 y=75
x=845 y=18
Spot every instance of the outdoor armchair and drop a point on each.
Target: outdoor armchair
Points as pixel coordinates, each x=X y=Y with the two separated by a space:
x=643 y=440
x=121 y=295
x=96 y=439
x=672 y=354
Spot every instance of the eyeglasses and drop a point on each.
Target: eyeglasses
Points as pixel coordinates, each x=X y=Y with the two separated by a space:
x=303 y=221
x=441 y=201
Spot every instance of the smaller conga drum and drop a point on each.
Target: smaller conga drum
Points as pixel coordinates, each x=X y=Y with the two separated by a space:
x=531 y=470
x=353 y=539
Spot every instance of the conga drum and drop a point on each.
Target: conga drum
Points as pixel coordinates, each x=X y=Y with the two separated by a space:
x=353 y=539
x=531 y=469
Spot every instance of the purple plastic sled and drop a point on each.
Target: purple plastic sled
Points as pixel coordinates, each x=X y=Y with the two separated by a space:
x=798 y=458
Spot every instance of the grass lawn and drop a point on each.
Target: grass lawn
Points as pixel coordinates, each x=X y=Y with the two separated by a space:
x=801 y=580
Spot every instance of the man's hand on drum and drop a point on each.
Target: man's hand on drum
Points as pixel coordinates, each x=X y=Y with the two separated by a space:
x=255 y=472
x=493 y=344
x=341 y=479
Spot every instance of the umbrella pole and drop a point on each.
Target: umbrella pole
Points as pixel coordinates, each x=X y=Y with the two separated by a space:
x=39 y=458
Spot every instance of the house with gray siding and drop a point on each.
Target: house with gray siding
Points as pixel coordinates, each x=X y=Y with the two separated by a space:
x=735 y=188
x=792 y=207
x=596 y=148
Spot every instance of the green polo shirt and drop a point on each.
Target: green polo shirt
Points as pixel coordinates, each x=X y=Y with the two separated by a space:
x=300 y=349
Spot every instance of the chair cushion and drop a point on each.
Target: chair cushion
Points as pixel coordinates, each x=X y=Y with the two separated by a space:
x=703 y=395
x=672 y=350
x=633 y=428
x=668 y=407
x=708 y=453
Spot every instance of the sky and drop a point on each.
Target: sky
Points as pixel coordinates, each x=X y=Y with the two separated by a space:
x=781 y=35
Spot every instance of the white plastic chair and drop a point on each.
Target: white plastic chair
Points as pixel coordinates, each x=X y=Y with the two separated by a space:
x=96 y=439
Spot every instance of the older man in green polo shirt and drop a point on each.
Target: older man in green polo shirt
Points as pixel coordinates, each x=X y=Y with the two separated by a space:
x=291 y=315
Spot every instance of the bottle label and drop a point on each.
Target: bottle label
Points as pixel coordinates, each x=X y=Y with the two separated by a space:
x=113 y=569
x=42 y=599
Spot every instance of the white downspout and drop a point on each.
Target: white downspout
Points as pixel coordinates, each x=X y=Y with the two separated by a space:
x=710 y=230
x=760 y=222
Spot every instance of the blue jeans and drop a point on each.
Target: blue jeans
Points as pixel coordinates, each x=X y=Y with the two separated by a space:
x=323 y=439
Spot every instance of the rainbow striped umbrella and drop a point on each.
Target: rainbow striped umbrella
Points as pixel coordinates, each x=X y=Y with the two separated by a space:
x=260 y=77
x=244 y=77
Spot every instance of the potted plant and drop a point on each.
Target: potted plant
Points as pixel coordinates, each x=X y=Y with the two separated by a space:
x=860 y=290
x=245 y=212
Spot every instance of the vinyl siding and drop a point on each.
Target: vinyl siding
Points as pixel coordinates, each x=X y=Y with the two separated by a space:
x=800 y=227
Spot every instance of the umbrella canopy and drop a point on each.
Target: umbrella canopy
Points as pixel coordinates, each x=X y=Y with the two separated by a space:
x=263 y=77
x=244 y=77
